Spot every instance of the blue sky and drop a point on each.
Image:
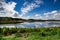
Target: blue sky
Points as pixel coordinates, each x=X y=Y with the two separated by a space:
x=36 y=9
x=48 y=5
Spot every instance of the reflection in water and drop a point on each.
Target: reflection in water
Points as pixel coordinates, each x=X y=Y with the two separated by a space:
x=32 y=25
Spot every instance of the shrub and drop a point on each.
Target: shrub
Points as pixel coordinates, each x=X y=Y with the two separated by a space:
x=18 y=35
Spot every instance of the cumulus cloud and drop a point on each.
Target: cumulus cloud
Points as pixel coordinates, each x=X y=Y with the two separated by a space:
x=48 y=15
x=30 y=6
x=7 y=9
x=53 y=12
x=10 y=6
x=52 y=15
x=26 y=17
x=37 y=16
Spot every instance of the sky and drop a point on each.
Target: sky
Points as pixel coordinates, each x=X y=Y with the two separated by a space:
x=30 y=9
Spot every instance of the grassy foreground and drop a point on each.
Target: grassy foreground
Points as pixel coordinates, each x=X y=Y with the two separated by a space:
x=30 y=33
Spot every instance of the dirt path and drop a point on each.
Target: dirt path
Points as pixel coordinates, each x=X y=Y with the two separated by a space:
x=23 y=37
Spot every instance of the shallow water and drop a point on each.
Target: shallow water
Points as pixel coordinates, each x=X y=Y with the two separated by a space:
x=32 y=24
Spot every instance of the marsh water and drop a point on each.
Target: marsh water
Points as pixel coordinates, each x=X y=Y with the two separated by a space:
x=32 y=24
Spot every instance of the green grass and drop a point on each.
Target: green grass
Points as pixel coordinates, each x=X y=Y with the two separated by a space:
x=30 y=33
x=11 y=37
x=32 y=36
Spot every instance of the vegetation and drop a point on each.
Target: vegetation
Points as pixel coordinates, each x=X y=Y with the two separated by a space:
x=10 y=20
x=30 y=33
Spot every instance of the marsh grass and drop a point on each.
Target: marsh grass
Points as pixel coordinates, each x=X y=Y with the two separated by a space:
x=30 y=33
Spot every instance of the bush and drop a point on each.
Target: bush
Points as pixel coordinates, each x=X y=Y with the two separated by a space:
x=18 y=35
x=1 y=36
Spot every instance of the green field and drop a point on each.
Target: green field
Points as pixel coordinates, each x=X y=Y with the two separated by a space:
x=30 y=33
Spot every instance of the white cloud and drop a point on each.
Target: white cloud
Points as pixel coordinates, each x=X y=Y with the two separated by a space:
x=38 y=1
x=10 y=6
x=52 y=15
x=7 y=9
x=55 y=11
x=26 y=17
x=30 y=6
x=37 y=16
x=57 y=16
x=49 y=15
x=25 y=3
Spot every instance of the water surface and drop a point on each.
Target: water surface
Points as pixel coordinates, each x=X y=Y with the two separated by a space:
x=32 y=24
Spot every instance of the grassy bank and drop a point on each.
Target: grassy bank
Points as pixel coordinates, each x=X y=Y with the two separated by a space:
x=30 y=33
x=9 y=22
